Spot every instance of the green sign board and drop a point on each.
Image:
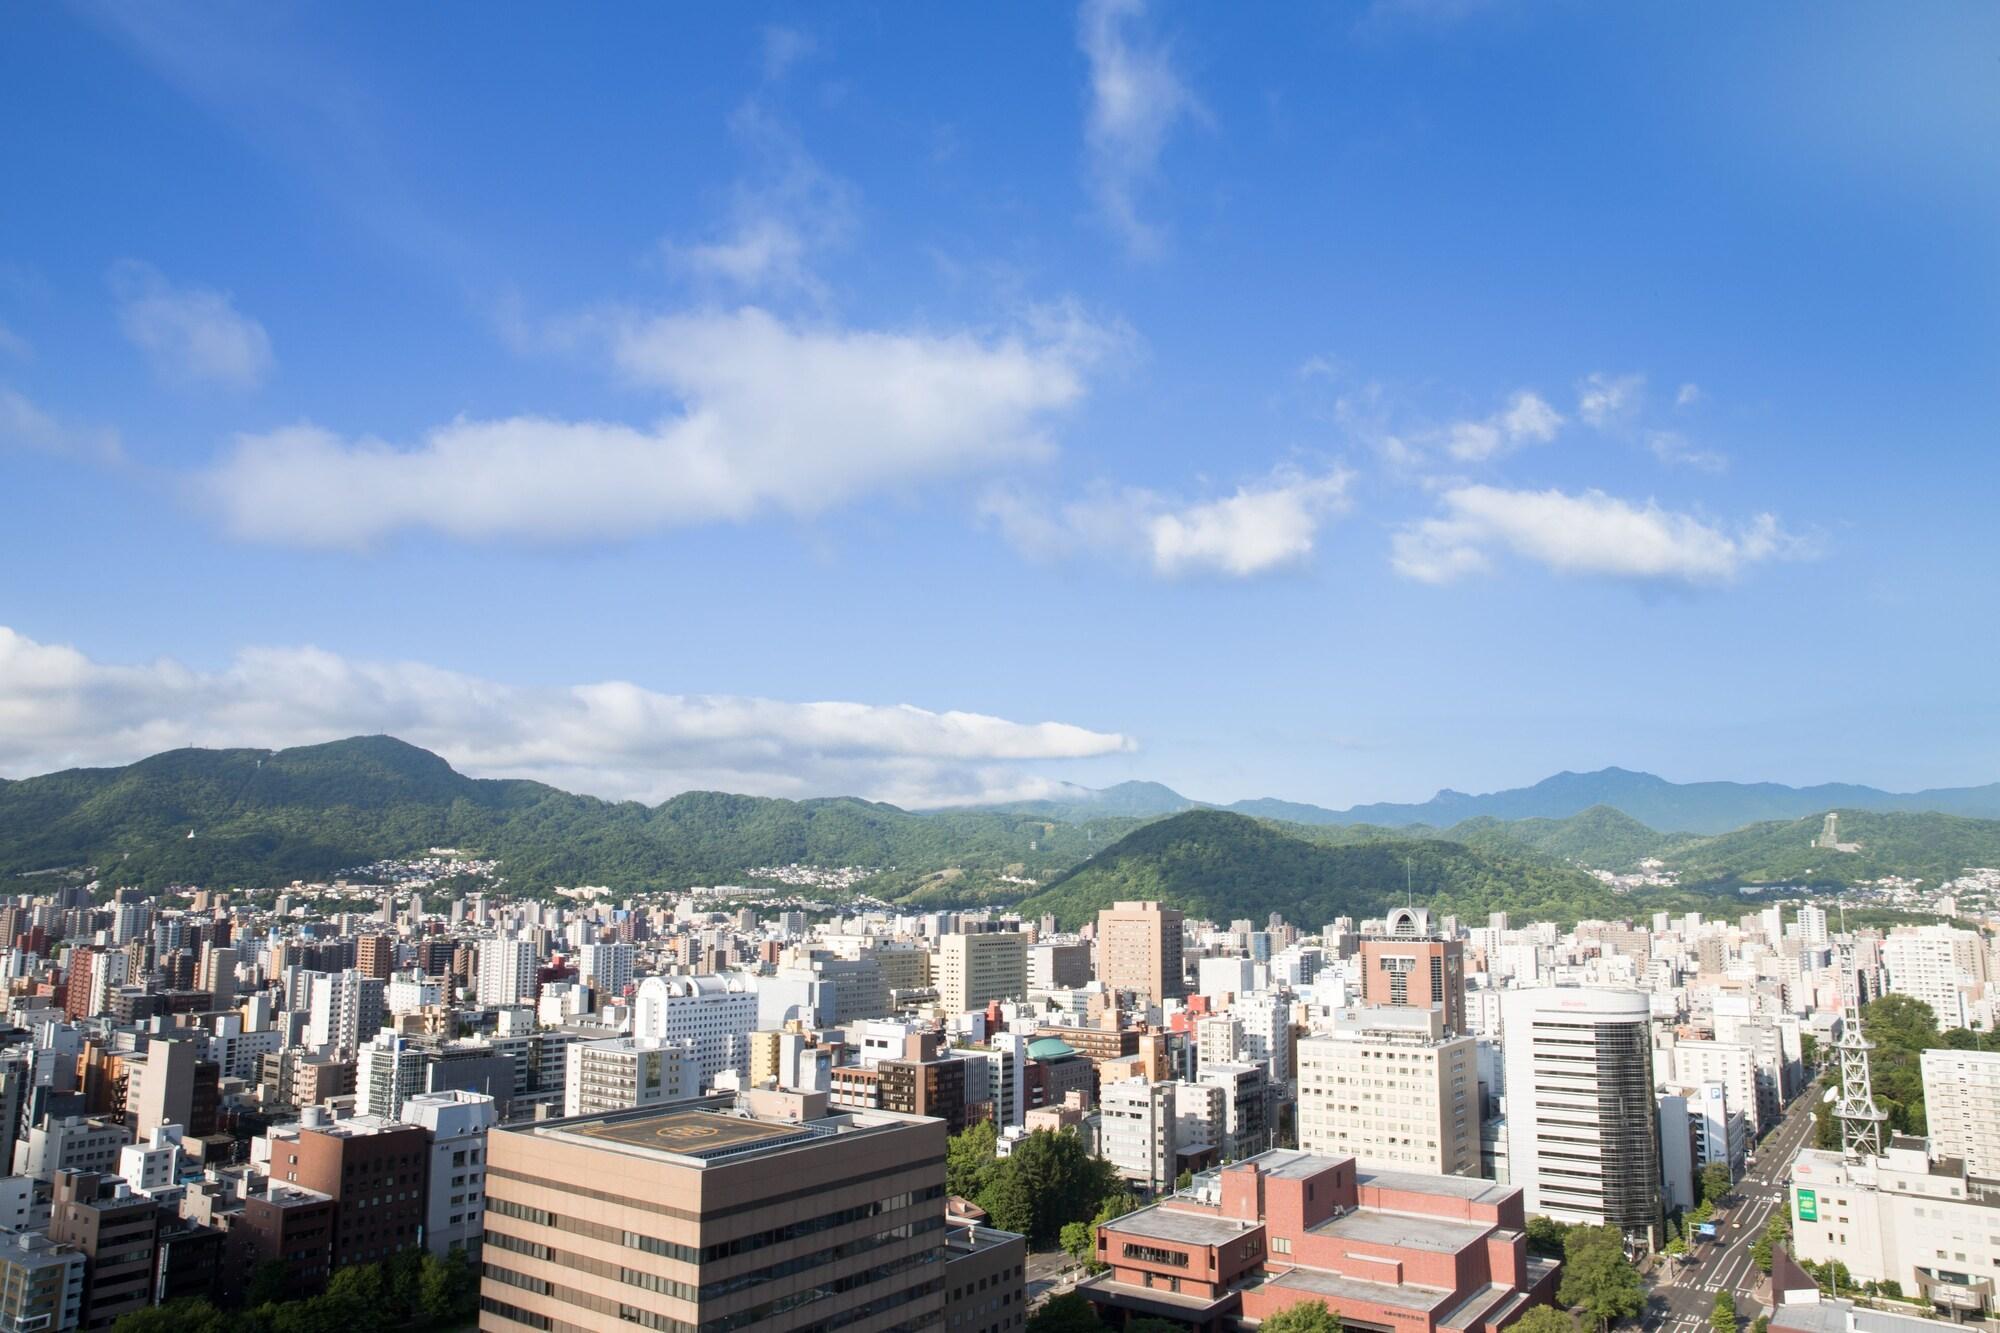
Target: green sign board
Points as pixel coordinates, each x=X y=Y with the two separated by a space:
x=1808 y=1206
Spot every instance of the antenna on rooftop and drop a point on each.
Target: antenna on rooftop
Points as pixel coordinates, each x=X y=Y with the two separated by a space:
x=1860 y=1118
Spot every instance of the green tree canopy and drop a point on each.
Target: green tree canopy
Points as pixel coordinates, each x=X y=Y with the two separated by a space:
x=1048 y=1181
x=1715 y=1182
x=1067 y=1313
x=1722 y=1316
x=1546 y=1319
x=1305 y=1317
x=1598 y=1277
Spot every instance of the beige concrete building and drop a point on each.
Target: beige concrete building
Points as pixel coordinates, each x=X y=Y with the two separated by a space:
x=767 y=1213
x=975 y=970
x=1392 y=1089
x=1962 y=1107
x=1139 y=949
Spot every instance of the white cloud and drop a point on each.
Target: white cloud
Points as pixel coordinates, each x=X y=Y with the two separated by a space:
x=189 y=334
x=785 y=47
x=1590 y=534
x=772 y=416
x=59 y=708
x=1674 y=449
x=23 y=425
x=759 y=251
x=1689 y=395
x=1602 y=399
x=14 y=345
x=1526 y=419
x=1136 y=100
x=1260 y=528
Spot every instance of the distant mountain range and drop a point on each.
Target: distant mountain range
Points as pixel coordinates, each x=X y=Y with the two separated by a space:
x=1669 y=807
x=261 y=818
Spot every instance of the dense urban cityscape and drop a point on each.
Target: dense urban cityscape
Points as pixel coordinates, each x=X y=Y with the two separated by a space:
x=680 y=1113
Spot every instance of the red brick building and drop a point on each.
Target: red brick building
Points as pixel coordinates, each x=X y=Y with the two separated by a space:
x=1384 y=1250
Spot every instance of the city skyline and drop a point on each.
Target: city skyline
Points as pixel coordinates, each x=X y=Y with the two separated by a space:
x=1338 y=409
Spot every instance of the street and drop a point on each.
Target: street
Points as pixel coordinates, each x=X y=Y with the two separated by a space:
x=1045 y=1274
x=1682 y=1305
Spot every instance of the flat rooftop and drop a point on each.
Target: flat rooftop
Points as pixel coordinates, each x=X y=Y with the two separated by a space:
x=1287 y=1163
x=1405 y=1231
x=1469 y=1188
x=1318 y=1282
x=1177 y=1224
x=693 y=1132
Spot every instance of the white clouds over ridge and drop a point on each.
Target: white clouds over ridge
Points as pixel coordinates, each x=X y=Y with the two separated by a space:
x=773 y=416
x=59 y=708
x=1587 y=534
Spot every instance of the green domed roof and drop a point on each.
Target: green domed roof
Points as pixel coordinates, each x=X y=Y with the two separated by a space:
x=1049 y=1048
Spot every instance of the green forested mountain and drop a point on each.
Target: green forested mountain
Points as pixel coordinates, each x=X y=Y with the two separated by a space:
x=1227 y=866
x=1930 y=847
x=261 y=817
x=1602 y=837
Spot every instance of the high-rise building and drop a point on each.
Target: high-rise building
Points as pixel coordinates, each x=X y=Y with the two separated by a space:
x=160 y=1087
x=457 y=1124
x=1935 y=964
x=1392 y=1089
x=388 y=1072
x=372 y=1169
x=117 y=1231
x=976 y=969
x=506 y=971
x=1962 y=1108
x=1139 y=949
x=1582 y=1122
x=345 y=1011
x=375 y=956
x=715 y=1014
x=41 y=1282
x=1412 y=966
x=717 y=1220
x=606 y=968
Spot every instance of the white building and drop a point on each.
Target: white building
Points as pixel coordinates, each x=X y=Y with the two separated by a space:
x=1582 y=1120
x=976 y=969
x=407 y=992
x=1935 y=964
x=1731 y=1064
x=455 y=1209
x=626 y=1072
x=345 y=1010
x=1137 y=1132
x=1903 y=1217
x=1386 y=1086
x=506 y=971
x=387 y=1073
x=715 y=1014
x=1962 y=1107
x=605 y=968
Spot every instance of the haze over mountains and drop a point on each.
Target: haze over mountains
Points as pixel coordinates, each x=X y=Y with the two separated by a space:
x=1669 y=807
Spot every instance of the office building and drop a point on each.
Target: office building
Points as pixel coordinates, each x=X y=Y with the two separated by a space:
x=41 y=1283
x=1139 y=949
x=976 y=969
x=985 y=1275
x=714 y=1014
x=116 y=1231
x=506 y=972
x=1935 y=964
x=1411 y=965
x=372 y=1169
x=1390 y=1088
x=1582 y=1121
x=388 y=1072
x=783 y=1217
x=1137 y=1132
x=346 y=1011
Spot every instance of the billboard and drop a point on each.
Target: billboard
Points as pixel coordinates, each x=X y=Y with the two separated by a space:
x=1808 y=1206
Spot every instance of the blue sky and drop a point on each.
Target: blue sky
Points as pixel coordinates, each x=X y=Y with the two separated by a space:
x=1334 y=403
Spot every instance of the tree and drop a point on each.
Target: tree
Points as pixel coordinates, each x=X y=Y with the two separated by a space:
x=1545 y=1319
x=447 y=1288
x=1715 y=1182
x=360 y=1289
x=1080 y=1240
x=1545 y=1237
x=1722 y=1316
x=970 y=1159
x=1185 y=1180
x=1776 y=1232
x=1598 y=1277
x=1676 y=1248
x=1047 y=1182
x=268 y=1283
x=1761 y=1324
x=1305 y=1317
x=1067 y=1313
x=183 y=1316
x=1700 y=1213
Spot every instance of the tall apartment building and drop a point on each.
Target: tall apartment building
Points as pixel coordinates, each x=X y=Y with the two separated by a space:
x=606 y=968
x=1411 y=966
x=1392 y=1089
x=375 y=956
x=456 y=1125
x=1934 y=964
x=625 y=1072
x=1731 y=1064
x=1962 y=1107
x=41 y=1282
x=345 y=1011
x=1139 y=949
x=783 y=1217
x=506 y=971
x=388 y=1072
x=159 y=1087
x=1582 y=1122
x=716 y=1014
x=976 y=969
x=1267 y=1032
x=1137 y=1131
